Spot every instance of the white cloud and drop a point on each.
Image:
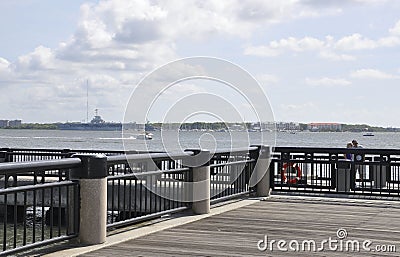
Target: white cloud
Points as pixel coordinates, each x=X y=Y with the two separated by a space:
x=328 y=48
x=41 y=58
x=275 y=48
x=372 y=74
x=389 y=41
x=4 y=65
x=396 y=29
x=117 y=42
x=327 y=82
x=355 y=42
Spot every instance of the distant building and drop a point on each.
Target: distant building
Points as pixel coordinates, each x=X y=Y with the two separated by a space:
x=15 y=123
x=324 y=126
x=3 y=123
x=287 y=126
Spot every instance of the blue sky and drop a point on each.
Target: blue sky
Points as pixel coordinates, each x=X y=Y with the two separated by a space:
x=317 y=61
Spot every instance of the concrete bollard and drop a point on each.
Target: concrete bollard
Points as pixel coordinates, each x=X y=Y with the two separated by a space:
x=379 y=174
x=343 y=176
x=201 y=183
x=262 y=171
x=92 y=178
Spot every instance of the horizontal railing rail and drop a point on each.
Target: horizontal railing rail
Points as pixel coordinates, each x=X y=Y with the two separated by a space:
x=144 y=186
x=46 y=201
x=231 y=171
x=36 y=211
x=69 y=194
x=36 y=154
x=37 y=172
x=353 y=171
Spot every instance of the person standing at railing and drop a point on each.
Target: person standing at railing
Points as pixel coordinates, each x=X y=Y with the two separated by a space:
x=360 y=158
x=355 y=144
x=349 y=156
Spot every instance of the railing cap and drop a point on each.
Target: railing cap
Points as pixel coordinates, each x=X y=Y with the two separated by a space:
x=200 y=158
x=94 y=166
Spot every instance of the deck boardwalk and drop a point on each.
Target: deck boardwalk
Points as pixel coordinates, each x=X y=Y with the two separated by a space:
x=236 y=232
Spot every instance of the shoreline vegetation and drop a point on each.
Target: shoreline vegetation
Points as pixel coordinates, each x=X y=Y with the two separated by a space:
x=221 y=126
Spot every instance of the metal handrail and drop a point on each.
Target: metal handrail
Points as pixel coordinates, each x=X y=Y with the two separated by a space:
x=117 y=159
x=18 y=167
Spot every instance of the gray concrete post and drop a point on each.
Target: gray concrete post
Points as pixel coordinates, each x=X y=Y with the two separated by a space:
x=378 y=174
x=343 y=176
x=262 y=171
x=201 y=183
x=92 y=178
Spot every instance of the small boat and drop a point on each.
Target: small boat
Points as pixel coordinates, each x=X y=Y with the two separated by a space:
x=145 y=136
x=368 y=134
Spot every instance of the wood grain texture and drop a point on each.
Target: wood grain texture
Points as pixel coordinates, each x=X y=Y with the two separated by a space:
x=236 y=233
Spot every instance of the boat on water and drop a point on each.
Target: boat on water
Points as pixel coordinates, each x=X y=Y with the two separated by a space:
x=145 y=136
x=368 y=134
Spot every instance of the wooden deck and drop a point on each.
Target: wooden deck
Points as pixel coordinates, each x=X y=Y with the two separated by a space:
x=236 y=233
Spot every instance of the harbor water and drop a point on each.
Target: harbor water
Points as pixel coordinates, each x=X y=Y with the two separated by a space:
x=173 y=141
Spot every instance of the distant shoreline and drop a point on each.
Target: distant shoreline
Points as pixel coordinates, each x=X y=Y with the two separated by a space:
x=215 y=126
x=194 y=130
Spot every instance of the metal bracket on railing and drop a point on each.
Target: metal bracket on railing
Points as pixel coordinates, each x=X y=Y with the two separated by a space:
x=285 y=156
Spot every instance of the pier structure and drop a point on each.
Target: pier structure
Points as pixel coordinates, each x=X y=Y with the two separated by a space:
x=82 y=197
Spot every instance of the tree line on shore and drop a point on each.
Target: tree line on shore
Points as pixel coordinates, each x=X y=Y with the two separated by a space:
x=221 y=126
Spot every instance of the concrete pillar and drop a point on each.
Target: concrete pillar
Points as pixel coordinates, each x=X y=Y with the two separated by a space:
x=92 y=178
x=263 y=171
x=343 y=176
x=379 y=174
x=201 y=183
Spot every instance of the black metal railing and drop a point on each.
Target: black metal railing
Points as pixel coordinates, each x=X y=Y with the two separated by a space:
x=357 y=171
x=231 y=171
x=39 y=204
x=144 y=186
x=35 y=211
x=38 y=154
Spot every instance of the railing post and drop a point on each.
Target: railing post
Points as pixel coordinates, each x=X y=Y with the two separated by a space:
x=343 y=176
x=92 y=178
x=201 y=182
x=3 y=156
x=378 y=172
x=262 y=171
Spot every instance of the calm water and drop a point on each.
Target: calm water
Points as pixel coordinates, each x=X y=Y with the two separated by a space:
x=169 y=140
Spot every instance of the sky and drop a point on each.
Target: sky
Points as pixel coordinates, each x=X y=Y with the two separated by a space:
x=316 y=61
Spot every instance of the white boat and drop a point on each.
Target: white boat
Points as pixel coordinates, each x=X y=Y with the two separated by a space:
x=145 y=136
